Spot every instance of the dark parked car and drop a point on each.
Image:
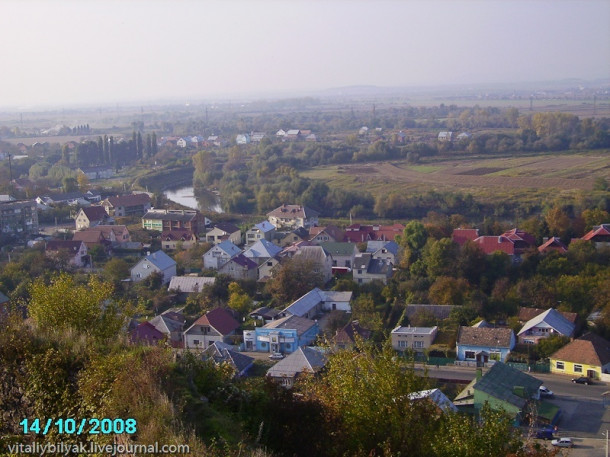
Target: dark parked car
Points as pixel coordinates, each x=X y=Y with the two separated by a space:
x=546 y=432
x=582 y=380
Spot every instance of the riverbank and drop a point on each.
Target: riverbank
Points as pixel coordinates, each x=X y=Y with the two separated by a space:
x=167 y=178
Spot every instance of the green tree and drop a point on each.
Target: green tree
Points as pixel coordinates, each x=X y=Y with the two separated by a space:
x=363 y=309
x=440 y=257
x=294 y=279
x=412 y=240
x=372 y=387
x=70 y=184
x=462 y=435
x=547 y=346
x=116 y=270
x=239 y=300
x=87 y=308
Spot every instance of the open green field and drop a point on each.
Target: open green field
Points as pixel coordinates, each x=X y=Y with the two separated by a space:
x=545 y=173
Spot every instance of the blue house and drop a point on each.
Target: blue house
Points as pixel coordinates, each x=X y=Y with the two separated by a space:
x=285 y=335
x=480 y=345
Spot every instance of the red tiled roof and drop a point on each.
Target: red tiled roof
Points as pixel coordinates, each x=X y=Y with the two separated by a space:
x=146 y=332
x=553 y=244
x=460 y=236
x=89 y=236
x=357 y=233
x=56 y=245
x=220 y=319
x=95 y=213
x=598 y=230
x=590 y=349
x=491 y=244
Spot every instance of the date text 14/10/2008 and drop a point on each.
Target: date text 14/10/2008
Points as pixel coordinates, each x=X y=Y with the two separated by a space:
x=85 y=426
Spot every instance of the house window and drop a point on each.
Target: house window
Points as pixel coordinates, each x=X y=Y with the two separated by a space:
x=495 y=356
x=418 y=344
x=469 y=355
x=264 y=345
x=196 y=342
x=560 y=366
x=402 y=344
x=577 y=368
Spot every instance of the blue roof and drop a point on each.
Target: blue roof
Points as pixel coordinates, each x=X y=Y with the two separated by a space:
x=262 y=248
x=161 y=260
x=374 y=246
x=265 y=226
x=229 y=248
x=551 y=318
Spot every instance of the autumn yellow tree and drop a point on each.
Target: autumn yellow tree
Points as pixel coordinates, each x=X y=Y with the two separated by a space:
x=87 y=308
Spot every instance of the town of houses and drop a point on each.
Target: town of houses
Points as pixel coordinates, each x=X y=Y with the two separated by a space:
x=290 y=334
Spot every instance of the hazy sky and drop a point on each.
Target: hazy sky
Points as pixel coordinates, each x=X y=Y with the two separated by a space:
x=90 y=51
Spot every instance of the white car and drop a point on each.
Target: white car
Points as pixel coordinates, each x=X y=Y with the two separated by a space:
x=546 y=392
x=563 y=442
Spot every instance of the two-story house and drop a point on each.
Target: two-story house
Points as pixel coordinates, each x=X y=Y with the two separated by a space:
x=384 y=250
x=215 y=325
x=293 y=216
x=92 y=216
x=127 y=205
x=167 y=220
x=223 y=231
x=284 y=335
x=367 y=269
x=261 y=231
x=550 y=322
x=240 y=267
x=343 y=255
x=413 y=338
x=157 y=262
x=220 y=254
x=75 y=252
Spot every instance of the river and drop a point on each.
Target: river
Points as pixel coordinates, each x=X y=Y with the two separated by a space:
x=206 y=201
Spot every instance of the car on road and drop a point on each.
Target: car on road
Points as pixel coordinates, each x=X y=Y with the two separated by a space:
x=582 y=380
x=546 y=392
x=563 y=442
x=276 y=356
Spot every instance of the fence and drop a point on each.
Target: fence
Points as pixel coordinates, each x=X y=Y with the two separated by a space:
x=538 y=367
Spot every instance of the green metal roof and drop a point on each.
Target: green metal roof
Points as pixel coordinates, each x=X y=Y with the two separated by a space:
x=500 y=382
